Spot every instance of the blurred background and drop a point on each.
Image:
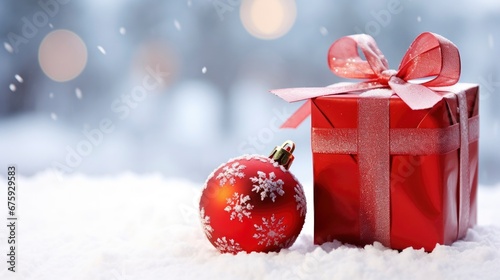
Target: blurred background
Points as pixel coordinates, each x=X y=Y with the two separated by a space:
x=179 y=87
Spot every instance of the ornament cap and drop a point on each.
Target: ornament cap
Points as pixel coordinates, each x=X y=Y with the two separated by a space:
x=283 y=154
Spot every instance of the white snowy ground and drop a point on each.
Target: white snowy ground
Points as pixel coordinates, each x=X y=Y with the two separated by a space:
x=147 y=227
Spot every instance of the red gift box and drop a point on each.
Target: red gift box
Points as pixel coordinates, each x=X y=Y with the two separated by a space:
x=394 y=161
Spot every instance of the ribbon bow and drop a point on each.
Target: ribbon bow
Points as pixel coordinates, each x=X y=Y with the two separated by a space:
x=430 y=55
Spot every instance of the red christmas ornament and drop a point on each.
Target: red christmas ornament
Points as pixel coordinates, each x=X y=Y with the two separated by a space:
x=253 y=203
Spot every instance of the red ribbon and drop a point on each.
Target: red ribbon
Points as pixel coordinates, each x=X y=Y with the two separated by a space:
x=430 y=55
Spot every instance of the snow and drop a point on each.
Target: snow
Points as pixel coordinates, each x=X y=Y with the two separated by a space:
x=123 y=31
x=204 y=70
x=129 y=227
x=78 y=93
x=177 y=25
x=53 y=116
x=19 y=78
x=101 y=49
x=323 y=31
x=8 y=47
x=12 y=87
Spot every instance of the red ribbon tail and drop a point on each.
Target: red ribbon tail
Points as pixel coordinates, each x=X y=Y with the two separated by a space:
x=299 y=116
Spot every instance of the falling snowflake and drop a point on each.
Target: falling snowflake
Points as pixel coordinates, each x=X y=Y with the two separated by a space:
x=101 y=49
x=205 y=223
x=8 y=47
x=225 y=246
x=237 y=206
x=177 y=25
x=78 y=93
x=19 y=78
x=300 y=198
x=323 y=31
x=268 y=187
x=231 y=173
x=270 y=232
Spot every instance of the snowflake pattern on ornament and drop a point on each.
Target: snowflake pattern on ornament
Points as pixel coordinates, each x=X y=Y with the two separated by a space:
x=300 y=198
x=238 y=206
x=267 y=187
x=230 y=174
x=205 y=223
x=225 y=246
x=270 y=232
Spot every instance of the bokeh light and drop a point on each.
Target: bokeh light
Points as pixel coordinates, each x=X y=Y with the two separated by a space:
x=62 y=55
x=268 y=19
x=155 y=55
